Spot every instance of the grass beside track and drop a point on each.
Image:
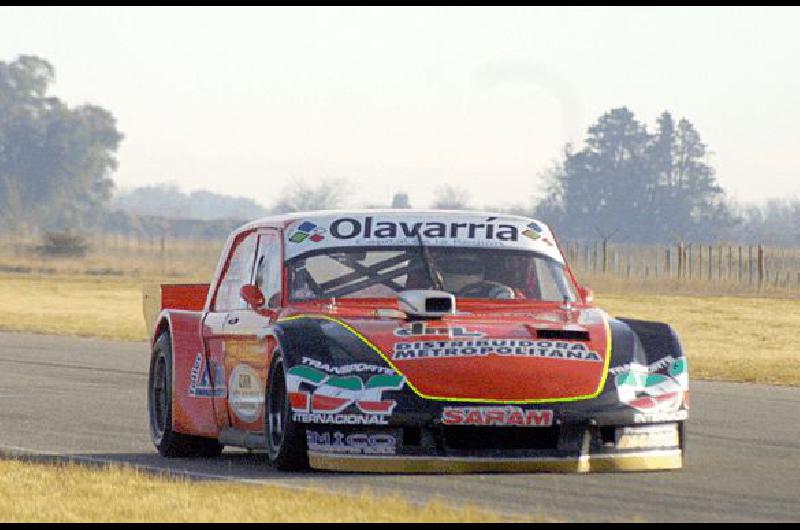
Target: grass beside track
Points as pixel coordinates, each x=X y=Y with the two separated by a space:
x=726 y=338
x=63 y=305
x=37 y=492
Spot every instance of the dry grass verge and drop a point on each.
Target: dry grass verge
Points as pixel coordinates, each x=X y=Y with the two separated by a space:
x=725 y=338
x=106 y=308
x=35 y=492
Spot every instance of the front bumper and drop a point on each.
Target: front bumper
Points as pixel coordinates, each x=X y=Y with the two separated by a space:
x=564 y=448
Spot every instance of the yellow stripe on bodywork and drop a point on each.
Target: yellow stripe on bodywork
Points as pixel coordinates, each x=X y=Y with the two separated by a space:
x=377 y=350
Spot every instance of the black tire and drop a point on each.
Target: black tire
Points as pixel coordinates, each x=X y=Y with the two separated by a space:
x=159 y=405
x=286 y=439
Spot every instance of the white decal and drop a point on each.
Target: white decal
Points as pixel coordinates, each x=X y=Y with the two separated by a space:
x=546 y=349
x=246 y=396
x=647 y=436
x=352 y=443
x=435 y=229
x=497 y=416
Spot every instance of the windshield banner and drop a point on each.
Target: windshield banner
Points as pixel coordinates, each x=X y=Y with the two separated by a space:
x=436 y=230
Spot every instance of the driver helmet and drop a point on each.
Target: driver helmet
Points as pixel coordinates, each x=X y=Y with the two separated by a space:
x=461 y=270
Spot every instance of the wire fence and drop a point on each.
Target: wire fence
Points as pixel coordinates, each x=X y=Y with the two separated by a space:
x=713 y=265
x=114 y=254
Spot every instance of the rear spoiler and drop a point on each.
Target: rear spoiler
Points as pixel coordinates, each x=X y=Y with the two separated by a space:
x=157 y=297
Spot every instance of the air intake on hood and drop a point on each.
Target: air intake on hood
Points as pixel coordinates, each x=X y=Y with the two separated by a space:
x=562 y=334
x=427 y=303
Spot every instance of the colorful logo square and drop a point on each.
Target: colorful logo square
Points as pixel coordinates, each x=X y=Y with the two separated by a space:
x=307 y=230
x=532 y=231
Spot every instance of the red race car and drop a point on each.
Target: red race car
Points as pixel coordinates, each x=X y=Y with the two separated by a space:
x=409 y=341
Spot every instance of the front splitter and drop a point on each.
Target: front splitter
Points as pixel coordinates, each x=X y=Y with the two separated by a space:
x=638 y=461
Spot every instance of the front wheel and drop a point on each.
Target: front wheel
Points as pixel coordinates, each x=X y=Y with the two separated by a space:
x=286 y=442
x=159 y=404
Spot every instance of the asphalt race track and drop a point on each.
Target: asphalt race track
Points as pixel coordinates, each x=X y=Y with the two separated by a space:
x=87 y=398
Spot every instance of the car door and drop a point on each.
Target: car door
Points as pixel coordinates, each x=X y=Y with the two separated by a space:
x=247 y=354
x=224 y=305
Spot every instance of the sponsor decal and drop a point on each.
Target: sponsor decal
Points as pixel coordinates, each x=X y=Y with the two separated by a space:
x=347 y=368
x=307 y=231
x=534 y=231
x=319 y=397
x=659 y=387
x=647 y=436
x=500 y=416
x=201 y=384
x=351 y=443
x=436 y=229
x=658 y=417
x=340 y=419
x=546 y=349
x=246 y=396
x=369 y=228
x=419 y=329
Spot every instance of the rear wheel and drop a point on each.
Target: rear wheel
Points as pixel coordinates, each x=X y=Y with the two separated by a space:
x=159 y=404
x=286 y=441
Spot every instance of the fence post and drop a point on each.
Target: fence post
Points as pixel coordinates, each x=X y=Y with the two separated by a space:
x=655 y=264
x=700 y=262
x=667 y=263
x=586 y=257
x=761 y=268
x=740 y=274
x=710 y=261
x=730 y=263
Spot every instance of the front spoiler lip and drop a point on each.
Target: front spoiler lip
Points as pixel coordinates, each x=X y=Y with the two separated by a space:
x=637 y=461
x=619 y=415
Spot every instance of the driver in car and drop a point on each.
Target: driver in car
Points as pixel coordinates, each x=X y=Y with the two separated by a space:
x=475 y=277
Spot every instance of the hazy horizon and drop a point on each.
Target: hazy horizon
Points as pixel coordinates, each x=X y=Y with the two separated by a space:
x=240 y=100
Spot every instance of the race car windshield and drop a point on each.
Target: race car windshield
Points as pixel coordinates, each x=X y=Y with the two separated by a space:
x=366 y=272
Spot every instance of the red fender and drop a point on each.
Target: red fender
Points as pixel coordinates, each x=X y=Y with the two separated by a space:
x=192 y=410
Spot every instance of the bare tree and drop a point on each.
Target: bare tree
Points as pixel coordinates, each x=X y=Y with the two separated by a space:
x=451 y=198
x=400 y=200
x=299 y=196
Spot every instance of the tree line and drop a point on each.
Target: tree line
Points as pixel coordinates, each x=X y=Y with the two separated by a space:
x=55 y=161
x=625 y=182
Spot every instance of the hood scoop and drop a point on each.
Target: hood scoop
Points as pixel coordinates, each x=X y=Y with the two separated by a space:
x=562 y=334
x=427 y=303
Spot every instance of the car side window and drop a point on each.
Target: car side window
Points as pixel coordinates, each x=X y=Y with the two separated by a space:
x=269 y=268
x=239 y=272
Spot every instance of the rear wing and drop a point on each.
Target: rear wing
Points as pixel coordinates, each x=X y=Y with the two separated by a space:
x=187 y=296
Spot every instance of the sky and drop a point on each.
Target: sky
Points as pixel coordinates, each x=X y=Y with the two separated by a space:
x=245 y=101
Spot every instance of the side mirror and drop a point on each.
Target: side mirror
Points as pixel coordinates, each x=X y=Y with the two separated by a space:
x=252 y=295
x=586 y=293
